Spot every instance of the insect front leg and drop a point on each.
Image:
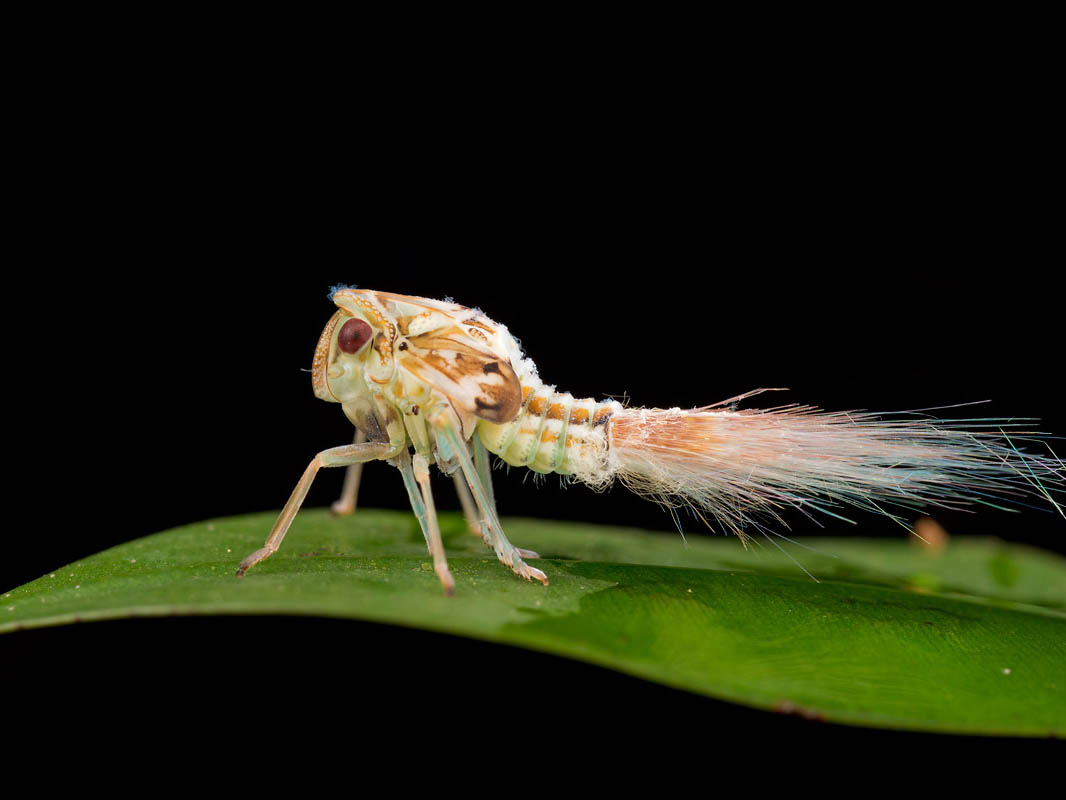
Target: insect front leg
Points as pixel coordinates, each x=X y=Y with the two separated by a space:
x=449 y=441
x=345 y=504
x=334 y=457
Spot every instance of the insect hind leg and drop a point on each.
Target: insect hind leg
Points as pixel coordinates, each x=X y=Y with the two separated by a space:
x=483 y=465
x=449 y=440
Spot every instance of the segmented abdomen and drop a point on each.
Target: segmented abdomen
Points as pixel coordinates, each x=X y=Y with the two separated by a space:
x=554 y=433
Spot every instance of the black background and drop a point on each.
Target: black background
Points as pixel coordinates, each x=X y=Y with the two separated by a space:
x=195 y=399
x=863 y=245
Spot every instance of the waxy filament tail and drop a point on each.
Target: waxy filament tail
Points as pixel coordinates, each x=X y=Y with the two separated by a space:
x=745 y=467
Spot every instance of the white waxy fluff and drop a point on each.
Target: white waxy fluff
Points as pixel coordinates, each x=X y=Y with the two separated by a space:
x=745 y=467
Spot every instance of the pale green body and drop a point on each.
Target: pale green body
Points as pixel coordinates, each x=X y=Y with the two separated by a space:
x=554 y=432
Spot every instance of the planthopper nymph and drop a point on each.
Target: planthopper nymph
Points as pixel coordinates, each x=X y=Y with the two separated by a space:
x=433 y=382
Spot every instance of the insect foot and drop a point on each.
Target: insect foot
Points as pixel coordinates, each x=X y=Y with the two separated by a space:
x=513 y=559
x=342 y=508
x=447 y=582
x=523 y=570
x=253 y=559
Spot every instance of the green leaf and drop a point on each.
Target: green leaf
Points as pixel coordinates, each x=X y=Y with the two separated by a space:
x=972 y=639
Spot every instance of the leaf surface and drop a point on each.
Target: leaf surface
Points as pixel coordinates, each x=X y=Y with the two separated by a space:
x=972 y=639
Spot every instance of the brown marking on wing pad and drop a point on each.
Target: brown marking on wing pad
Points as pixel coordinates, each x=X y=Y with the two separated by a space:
x=537 y=406
x=455 y=356
x=500 y=400
x=555 y=411
x=442 y=365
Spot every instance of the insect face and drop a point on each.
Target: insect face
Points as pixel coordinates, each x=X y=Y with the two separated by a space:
x=354 y=353
x=336 y=373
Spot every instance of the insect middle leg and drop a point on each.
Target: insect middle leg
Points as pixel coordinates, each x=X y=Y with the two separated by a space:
x=416 y=480
x=334 y=457
x=420 y=467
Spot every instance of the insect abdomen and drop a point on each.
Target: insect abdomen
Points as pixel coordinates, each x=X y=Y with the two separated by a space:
x=554 y=432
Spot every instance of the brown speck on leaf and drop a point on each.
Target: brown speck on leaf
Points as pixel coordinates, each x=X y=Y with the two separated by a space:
x=788 y=707
x=930 y=535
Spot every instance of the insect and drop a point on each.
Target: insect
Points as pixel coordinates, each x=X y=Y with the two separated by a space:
x=433 y=382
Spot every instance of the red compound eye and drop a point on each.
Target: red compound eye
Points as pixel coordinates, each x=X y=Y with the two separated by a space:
x=354 y=334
